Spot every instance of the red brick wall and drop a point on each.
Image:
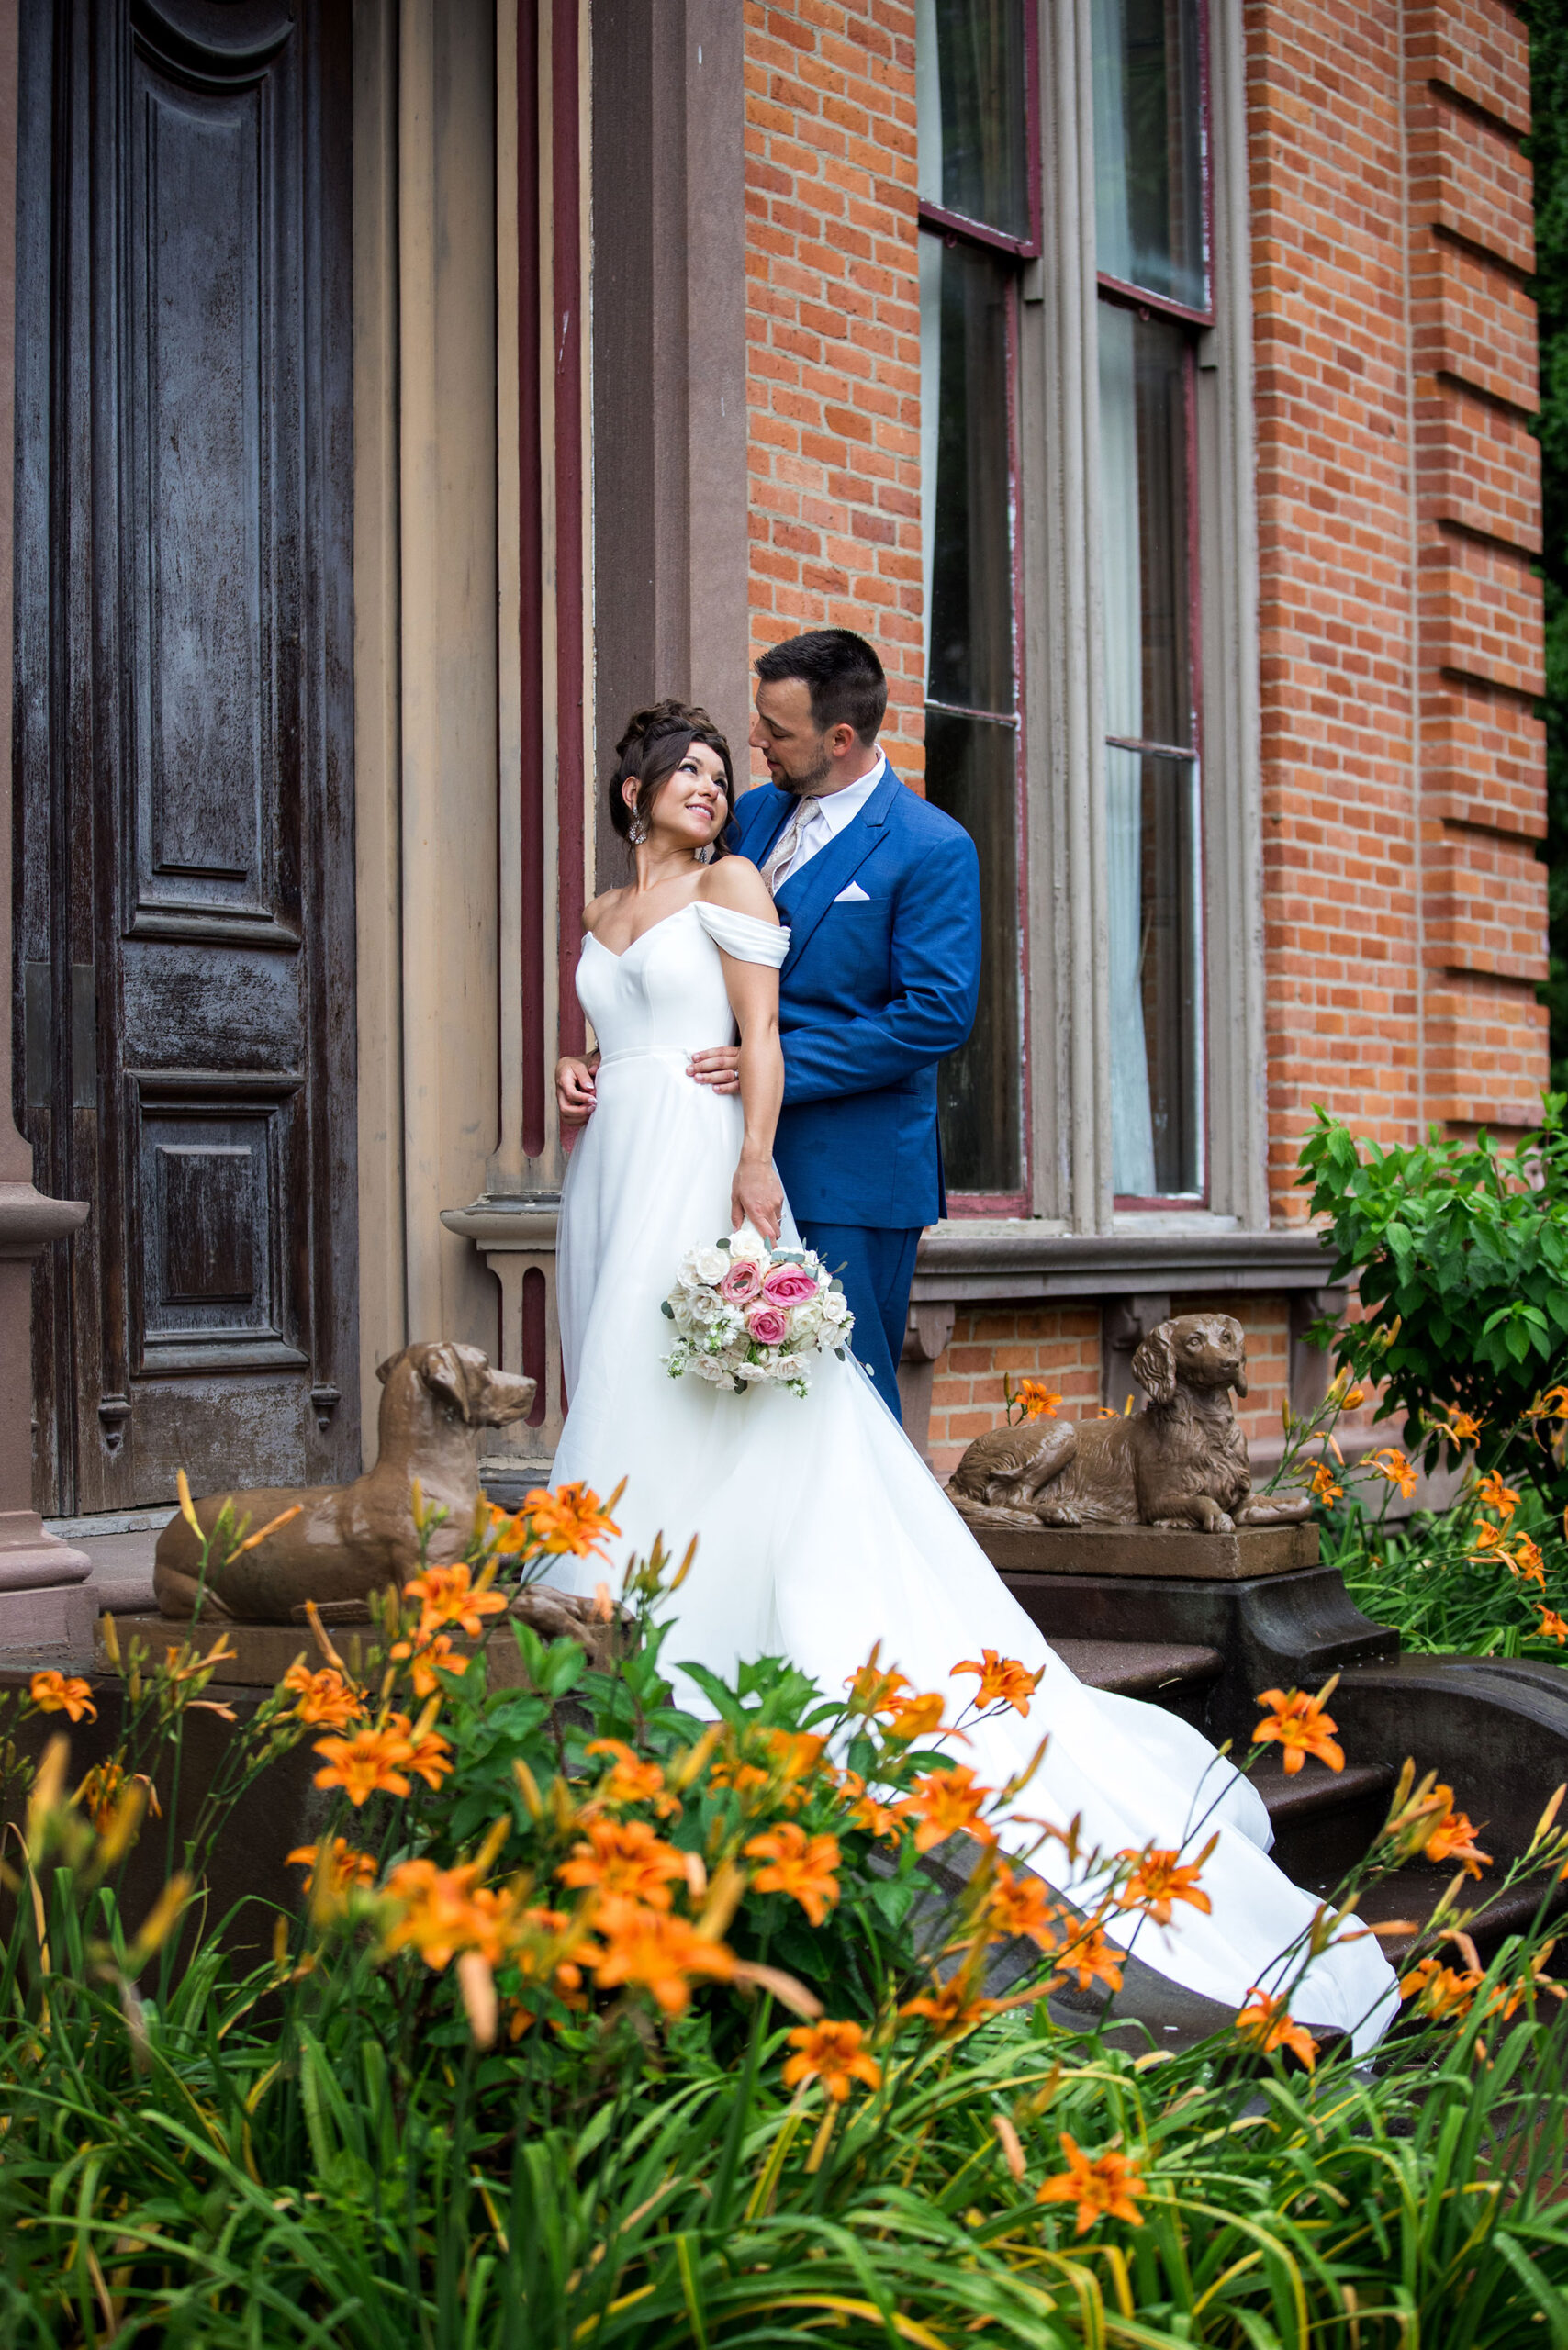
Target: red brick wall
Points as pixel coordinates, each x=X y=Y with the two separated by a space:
x=1404 y=784
x=833 y=323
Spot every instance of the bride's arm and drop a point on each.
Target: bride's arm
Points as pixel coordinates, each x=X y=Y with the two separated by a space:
x=753 y=990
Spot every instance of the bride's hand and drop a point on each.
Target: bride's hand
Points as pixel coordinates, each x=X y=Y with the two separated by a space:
x=756 y=1194
x=574 y=1096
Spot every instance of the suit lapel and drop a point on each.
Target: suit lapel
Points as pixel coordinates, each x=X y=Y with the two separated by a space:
x=755 y=837
x=807 y=895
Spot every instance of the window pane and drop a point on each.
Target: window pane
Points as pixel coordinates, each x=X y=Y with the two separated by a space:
x=1148 y=147
x=1155 y=944
x=971 y=771
x=971 y=72
x=966 y=504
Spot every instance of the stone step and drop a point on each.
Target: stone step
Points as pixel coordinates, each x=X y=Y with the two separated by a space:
x=1324 y=1821
x=1177 y=1675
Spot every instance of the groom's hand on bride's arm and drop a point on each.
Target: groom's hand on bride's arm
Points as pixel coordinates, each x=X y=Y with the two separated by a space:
x=719 y=1066
x=575 y=1095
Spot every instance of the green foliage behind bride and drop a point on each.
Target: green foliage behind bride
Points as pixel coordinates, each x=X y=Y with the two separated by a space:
x=596 y=2024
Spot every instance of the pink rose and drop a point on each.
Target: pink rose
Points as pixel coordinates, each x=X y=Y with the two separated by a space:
x=789 y=1286
x=767 y=1325
x=742 y=1280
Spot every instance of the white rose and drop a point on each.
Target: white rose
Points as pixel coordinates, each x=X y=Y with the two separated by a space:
x=833 y=1306
x=748 y=1246
x=709 y=1265
x=706 y=1308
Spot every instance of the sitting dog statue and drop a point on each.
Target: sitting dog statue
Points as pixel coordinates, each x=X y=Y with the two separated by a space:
x=1181 y=1462
x=350 y=1541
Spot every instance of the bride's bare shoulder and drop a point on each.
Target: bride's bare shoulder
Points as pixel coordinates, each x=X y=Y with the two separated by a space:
x=735 y=882
x=597 y=908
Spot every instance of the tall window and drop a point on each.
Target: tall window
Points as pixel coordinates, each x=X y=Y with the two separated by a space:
x=977 y=231
x=1151 y=248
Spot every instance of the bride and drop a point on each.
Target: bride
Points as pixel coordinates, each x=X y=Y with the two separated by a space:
x=821 y=1531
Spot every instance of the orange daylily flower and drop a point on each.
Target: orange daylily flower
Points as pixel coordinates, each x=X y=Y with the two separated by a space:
x=1159 y=1879
x=1453 y=1838
x=1553 y=1406
x=799 y=1864
x=345 y=1868
x=1391 y=1463
x=1265 y=2021
x=631 y=1780
x=1003 y=1680
x=659 y=1953
x=1037 y=1400
x=625 y=1860
x=58 y=1693
x=947 y=1802
x=450 y=1595
x=1104 y=2186
x=1494 y=1495
x=1322 y=1482
x=863 y=1810
x=1300 y=1725
x=572 y=1519
x=872 y=1691
x=370 y=1762
x=440 y=1912
x=949 y=2009
x=832 y=2053
x=1444 y=1993
x=1094 y=1958
x=1489 y=1539
x=1021 y=1904
x=104 y=1789
x=430 y=1754
x=1464 y=1427
x=427 y=1657
x=912 y=1718
x=1552 y=1627
x=1526 y=1561
x=1508 y=1998
x=326 y=1701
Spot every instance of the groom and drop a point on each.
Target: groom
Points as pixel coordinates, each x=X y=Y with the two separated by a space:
x=881 y=895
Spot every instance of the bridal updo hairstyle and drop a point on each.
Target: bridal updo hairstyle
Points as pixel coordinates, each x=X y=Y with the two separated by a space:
x=653 y=746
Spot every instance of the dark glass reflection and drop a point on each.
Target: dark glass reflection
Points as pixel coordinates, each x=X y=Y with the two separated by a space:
x=1148 y=147
x=971 y=661
x=972 y=68
x=1173 y=1024
x=971 y=771
x=1154 y=981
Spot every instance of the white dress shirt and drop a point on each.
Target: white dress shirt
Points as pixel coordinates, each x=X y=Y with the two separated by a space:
x=816 y=821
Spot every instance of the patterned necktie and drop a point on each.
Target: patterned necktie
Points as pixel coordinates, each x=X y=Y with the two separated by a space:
x=800 y=837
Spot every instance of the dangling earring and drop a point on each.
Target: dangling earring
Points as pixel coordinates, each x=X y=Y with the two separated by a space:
x=638 y=833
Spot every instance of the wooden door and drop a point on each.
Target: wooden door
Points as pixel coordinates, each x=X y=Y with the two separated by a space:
x=184 y=739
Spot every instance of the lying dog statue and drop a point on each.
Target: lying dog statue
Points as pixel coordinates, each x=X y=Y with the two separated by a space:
x=349 y=1540
x=1181 y=1462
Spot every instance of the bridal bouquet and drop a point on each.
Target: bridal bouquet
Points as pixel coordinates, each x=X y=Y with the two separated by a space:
x=746 y=1315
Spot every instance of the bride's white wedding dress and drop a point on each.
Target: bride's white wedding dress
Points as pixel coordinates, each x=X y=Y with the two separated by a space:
x=820 y=1529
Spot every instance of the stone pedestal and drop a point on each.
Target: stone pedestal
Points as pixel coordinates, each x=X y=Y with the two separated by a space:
x=261 y=1654
x=1259 y=1599
x=1149 y=1553
x=43 y=1603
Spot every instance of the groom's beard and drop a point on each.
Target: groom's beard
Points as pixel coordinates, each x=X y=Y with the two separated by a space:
x=803 y=786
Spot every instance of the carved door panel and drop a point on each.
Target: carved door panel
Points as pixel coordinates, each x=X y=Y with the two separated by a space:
x=184 y=738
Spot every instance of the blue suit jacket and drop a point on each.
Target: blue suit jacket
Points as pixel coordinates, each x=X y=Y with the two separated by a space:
x=874 y=992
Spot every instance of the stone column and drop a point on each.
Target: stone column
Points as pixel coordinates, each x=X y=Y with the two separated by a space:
x=43 y=1603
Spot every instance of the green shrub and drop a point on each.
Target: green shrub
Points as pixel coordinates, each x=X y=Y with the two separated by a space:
x=1461 y=1254
x=439 y=2114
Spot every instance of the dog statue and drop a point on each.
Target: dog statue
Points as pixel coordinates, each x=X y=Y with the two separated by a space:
x=1179 y=1462
x=350 y=1541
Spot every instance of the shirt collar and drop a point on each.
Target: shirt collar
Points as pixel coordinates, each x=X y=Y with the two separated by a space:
x=841 y=807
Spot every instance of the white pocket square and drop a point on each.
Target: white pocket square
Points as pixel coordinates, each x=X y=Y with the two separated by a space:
x=854 y=895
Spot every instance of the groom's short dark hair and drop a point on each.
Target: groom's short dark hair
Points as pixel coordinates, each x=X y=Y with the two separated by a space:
x=843 y=673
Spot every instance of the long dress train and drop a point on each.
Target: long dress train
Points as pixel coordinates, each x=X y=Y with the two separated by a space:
x=820 y=1529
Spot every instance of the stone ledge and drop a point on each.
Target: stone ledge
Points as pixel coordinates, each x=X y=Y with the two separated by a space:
x=1015 y=1258
x=1150 y=1552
